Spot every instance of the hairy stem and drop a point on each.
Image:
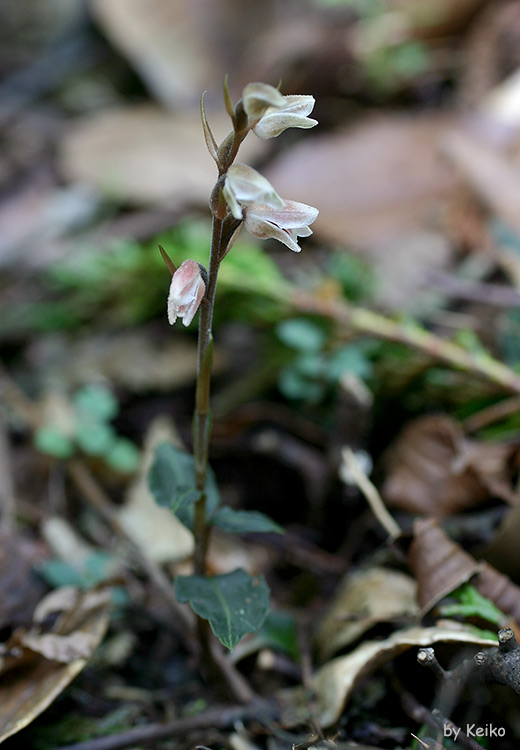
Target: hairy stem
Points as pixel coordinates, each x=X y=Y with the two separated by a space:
x=202 y=416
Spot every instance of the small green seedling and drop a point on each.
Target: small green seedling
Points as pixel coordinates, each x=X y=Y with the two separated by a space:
x=90 y=431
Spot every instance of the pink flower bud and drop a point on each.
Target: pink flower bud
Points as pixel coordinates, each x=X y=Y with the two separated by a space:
x=186 y=292
x=284 y=224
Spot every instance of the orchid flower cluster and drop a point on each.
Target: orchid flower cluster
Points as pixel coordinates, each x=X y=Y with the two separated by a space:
x=248 y=197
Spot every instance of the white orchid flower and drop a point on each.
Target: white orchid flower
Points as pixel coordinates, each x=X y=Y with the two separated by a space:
x=244 y=186
x=284 y=224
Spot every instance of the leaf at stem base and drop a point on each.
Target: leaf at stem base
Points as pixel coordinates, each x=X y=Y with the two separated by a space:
x=234 y=604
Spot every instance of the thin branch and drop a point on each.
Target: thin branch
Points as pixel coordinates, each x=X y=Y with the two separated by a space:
x=435 y=719
x=491 y=414
x=214 y=718
x=366 y=321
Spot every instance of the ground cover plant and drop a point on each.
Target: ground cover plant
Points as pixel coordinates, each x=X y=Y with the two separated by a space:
x=259 y=464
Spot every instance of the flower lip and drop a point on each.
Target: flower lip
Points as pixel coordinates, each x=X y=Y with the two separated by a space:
x=284 y=224
x=187 y=289
x=293 y=114
x=244 y=186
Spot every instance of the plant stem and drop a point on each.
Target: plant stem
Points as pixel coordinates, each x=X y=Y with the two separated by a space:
x=202 y=416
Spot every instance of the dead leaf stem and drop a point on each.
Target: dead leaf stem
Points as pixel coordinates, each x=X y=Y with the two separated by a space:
x=368 y=489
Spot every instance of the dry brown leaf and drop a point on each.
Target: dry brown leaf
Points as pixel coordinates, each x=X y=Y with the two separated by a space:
x=440 y=566
x=334 y=683
x=171 y=363
x=143 y=155
x=24 y=694
x=374 y=183
x=19 y=591
x=167 y=42
x=432 y=469
x=503 y=551
x=364 y=599
x=62 y=648
x=490 y=173
x=438 y=563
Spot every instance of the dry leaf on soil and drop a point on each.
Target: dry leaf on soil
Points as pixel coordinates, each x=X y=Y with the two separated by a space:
x=363 y=600
x=493 y=175
x=19 y=590
x=50 y=660
x=433 y=469
x=503 y=551
x=334 y=683
x=440 y=566
x=373 y=183
x=168 y=41
x=171 y=363
x=142 y=155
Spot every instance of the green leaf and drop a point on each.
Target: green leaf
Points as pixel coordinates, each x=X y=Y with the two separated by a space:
x=301 y=334
x=124 y=456
x=294 y=385
x=95 y=438
x=51 y=440
x=96 y=402
x=471 y=603
x=244 y=521
x=350 y=359
x=235 y=603
x=172 y=477
x=279 y=632
x=172 y=483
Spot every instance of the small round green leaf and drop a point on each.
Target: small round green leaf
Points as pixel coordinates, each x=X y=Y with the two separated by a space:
x=124 y=456
x=53 y=442
x=97 y=402
x=95 y=438
x=301 y=334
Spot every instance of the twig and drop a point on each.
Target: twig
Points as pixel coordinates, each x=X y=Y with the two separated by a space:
x=492 y=414
x=371 y=494
x=368 y=322
x=214 y=718
x=502 y=665
x=434 y=719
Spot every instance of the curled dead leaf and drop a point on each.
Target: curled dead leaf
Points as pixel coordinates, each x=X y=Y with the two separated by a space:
x=440 y=566
x=438 y=563
x=51 y=660
x=62 y=648
x=363 y=600
x=434 y=470
x=334 y=683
